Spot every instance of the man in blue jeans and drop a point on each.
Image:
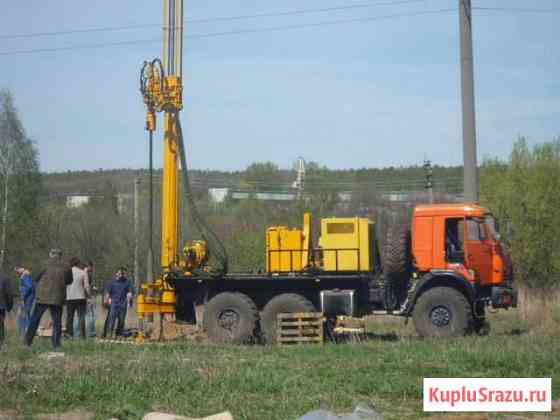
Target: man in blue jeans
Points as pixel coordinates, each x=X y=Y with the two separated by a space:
x=51 y=294
x=27 y=295
x=119 y=295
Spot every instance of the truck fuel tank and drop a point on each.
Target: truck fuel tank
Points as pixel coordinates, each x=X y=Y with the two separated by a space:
x=337 y=302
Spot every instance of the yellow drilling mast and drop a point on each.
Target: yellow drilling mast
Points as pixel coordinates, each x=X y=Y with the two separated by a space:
x=173 y=103
x=162 y=90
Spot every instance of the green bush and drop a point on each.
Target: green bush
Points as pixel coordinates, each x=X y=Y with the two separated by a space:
x=525 y=194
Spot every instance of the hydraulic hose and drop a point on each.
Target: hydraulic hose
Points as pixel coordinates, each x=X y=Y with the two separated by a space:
x=215 y=245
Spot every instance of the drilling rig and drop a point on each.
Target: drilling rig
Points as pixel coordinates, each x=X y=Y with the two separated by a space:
x=162 y=90
x=443 y=272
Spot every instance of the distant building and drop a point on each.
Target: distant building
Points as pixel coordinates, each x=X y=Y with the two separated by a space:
x=264 y=196
x=75 y=201
x=218 y=195
x=396 y=196
x=345 y=196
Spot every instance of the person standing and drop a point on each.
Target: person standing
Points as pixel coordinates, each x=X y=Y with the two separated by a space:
x=6 y=303
x=91 y=309
x=76 y=299
x=51 y=294
x=27 y=295
x=119 y=295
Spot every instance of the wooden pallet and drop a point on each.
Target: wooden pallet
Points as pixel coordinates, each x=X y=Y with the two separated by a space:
x=300 y=328
x=349 y=325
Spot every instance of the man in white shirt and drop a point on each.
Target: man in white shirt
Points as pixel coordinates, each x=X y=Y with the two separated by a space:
x=76 y=299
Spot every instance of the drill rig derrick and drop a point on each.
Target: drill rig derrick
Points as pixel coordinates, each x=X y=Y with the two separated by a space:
x=161 y=88
x=161 y=93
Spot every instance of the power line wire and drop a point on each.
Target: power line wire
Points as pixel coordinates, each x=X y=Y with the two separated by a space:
x=254 y=16
x=317 y=183
x=79 y=31
x=324 y=23
x=214 y=19
x=80 y=47
x=510 y=9
x=235 y=32
x=307 y=11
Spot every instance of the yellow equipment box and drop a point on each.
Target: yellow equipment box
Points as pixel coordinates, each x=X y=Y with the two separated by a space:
x=347 y=244
x=284 y=250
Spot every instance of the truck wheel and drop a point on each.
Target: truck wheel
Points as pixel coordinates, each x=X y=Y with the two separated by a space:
x=285 y=303
x=442 y=312
x=397 y=266
x=231 y=318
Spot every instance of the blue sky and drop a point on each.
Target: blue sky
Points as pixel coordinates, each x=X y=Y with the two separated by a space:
x=373 y=94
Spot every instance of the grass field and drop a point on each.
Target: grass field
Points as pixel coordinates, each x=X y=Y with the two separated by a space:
x=257 y=382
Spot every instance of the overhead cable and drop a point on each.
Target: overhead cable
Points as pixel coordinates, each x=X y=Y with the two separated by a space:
x=235 y=32
x=211 y=19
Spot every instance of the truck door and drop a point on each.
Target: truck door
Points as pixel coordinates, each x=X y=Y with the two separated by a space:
x=478 y=250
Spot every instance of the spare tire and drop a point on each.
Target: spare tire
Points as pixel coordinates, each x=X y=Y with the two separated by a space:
x=397 y=266
x=231 y=318
x=284 y=303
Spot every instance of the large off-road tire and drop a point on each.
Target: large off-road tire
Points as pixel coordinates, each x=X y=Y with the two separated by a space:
x=397 y=266
x=285 y=303
x=231 y=318
x=442 y=312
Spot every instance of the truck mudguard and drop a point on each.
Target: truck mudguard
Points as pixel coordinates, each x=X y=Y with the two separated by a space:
x=437 y=278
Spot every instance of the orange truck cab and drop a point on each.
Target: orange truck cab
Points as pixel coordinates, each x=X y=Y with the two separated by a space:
x=456 y=248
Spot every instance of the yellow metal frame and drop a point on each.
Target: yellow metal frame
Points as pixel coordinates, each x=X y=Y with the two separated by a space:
x=157 y=297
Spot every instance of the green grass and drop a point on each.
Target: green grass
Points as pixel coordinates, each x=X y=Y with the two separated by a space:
x=125 y=381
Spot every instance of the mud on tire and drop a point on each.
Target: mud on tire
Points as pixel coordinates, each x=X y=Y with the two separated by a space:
x=442 y=312
x=285 y=303
x=231 y=318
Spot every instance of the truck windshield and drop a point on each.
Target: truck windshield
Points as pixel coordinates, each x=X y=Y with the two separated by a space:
x=490 y=223
x=476 y=230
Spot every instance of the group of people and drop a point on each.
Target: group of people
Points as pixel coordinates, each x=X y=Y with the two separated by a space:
x=65 y=285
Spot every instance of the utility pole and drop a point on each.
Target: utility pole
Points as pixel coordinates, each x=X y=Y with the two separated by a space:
x=470 y=176
x=136 y=235
x=429 y=184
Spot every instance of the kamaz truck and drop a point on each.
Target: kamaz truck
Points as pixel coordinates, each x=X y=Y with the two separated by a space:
x=443 y=273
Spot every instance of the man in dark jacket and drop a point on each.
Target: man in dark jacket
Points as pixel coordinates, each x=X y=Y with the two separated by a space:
x=119 y=295
x=6 y=303
x=51 y=294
